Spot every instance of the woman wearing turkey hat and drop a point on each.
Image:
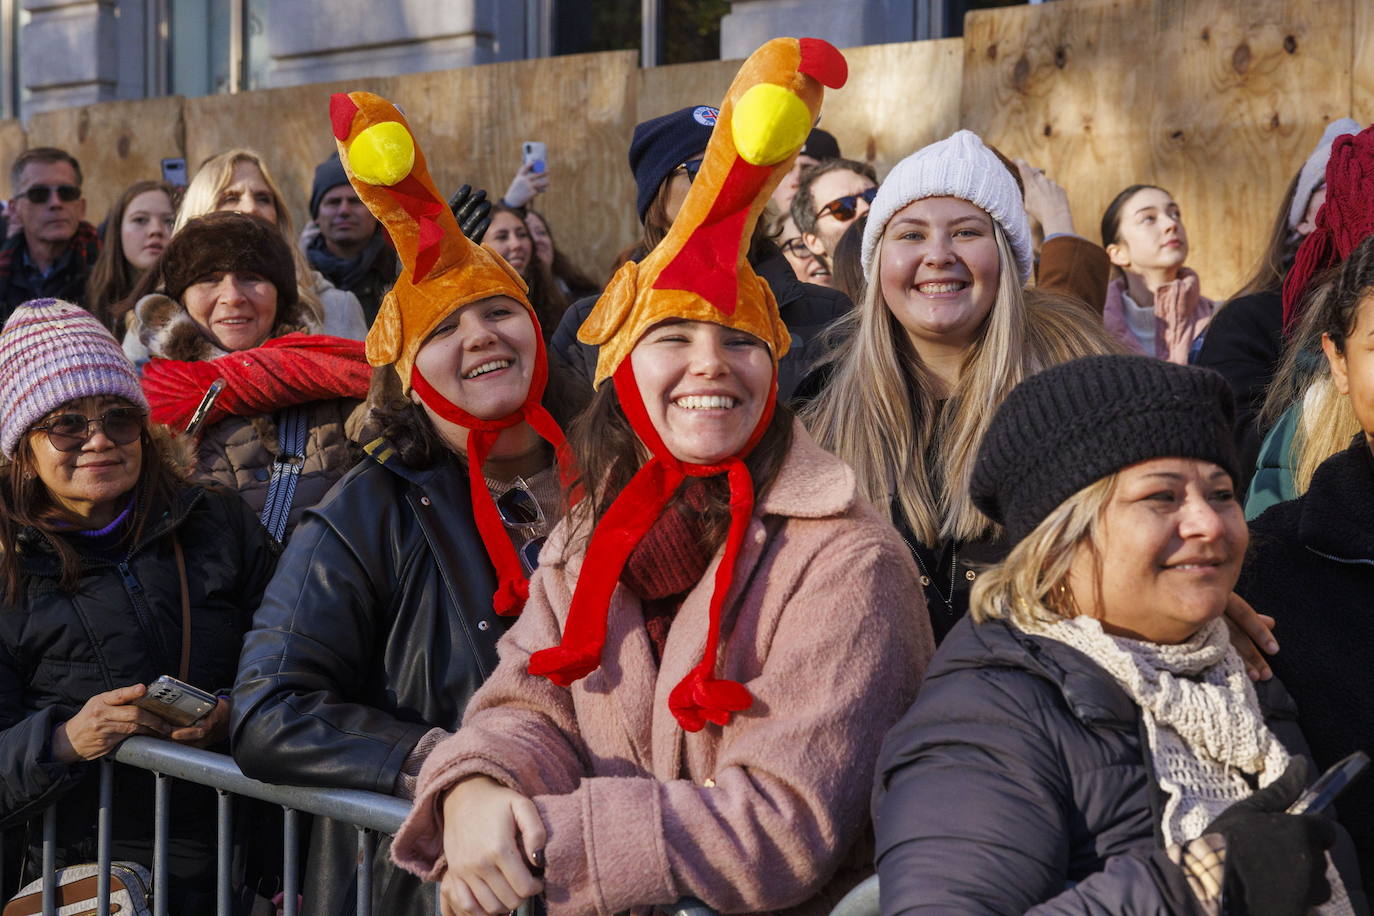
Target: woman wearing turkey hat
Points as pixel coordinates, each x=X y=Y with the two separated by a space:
x=720 y=631
x=388 y=604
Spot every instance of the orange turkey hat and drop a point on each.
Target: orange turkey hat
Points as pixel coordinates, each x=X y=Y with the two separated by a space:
x=442 y=272
x=699 y=272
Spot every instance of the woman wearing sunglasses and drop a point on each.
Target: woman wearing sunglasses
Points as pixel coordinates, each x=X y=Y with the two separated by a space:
x=719 y=633
x=389 y=601
x=665 y=156
x=115 y=572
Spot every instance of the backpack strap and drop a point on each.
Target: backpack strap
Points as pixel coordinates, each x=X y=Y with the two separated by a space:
x=292 y=430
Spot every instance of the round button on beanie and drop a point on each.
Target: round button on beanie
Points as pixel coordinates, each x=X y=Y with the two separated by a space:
x=52 y=352
x=1075 y=423
x=962 y=166
x=662 y=144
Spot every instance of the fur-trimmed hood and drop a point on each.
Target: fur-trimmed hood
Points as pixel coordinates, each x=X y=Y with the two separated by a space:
x=169 y=331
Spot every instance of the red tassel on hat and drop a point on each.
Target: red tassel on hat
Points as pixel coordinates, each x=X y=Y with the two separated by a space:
x=1343 y=221
x=512 y=588
x=700 y=697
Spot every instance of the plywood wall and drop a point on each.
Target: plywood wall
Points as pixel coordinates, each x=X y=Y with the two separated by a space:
x=1217 y=100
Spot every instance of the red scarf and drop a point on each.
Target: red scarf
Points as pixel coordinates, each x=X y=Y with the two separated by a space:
x=512 y=587
x=1343 y=221
x=283 y=372
x=700 y=697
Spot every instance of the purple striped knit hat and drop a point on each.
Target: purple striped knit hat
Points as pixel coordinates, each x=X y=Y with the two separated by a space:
x=52 y=352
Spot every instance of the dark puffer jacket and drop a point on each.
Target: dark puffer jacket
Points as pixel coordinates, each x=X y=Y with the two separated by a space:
x=806 y=309
x=1311 y=567
x=122 y=626
x=377 y=628
x=1020 y=782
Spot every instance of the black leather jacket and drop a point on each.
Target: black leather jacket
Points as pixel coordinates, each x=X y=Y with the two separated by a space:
x=377 y=627
x=122 y=626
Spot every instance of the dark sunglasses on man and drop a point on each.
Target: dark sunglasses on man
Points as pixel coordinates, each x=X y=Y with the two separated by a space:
x=519 y=509
x=68 y=432
x=843 y=208
x=42 y=193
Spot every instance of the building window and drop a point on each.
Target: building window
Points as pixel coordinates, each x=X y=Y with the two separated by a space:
x=205 y=56
x=686 y=30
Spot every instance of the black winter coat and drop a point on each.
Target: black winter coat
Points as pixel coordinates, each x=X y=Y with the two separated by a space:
x=1020 y=782
x=123 y=626
x=1311 y=567
x=377 y=627
x=1244 y=343
x=806 y=309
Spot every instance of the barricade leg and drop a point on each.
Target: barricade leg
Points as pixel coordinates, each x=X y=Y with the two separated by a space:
x=103 y=824
x=224 y=852
x=367 y=848
x=162 y=822
x=291 y=865
x=50 y=861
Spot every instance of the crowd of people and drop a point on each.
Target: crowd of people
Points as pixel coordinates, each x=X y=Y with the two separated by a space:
x=855 y=524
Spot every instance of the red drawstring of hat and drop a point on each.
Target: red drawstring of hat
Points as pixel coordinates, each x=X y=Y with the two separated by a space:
x=700 y=697
x=512 y=588
x=1344 y=220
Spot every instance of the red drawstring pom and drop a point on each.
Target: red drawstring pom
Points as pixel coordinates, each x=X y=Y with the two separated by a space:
x=698 y=700
x=563 y=665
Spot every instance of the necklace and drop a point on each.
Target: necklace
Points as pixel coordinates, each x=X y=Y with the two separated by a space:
x=927 y=579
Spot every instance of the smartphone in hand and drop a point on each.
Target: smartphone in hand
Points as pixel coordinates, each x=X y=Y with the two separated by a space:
x=176 y=701
x=534 y=153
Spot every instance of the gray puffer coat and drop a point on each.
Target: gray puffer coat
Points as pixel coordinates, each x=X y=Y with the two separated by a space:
x=1020 y=782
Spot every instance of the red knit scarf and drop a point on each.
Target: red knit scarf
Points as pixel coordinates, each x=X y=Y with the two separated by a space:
x=283 y=372
x=701 y=697
x=669 y=562
x=512 y=588
x=1343 y=221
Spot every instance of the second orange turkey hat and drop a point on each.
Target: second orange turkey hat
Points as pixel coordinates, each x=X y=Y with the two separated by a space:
x=442 y=271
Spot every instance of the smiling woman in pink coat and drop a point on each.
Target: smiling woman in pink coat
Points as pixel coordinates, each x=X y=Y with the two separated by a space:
x=720 y=631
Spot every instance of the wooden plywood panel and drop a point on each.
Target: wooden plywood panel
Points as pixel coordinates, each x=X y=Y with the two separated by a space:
x=117 y=143
x=1219 y=102
x=665 y=89
x=13 y=141
x=1362 y=68
x=288 y=127
x=472 y=122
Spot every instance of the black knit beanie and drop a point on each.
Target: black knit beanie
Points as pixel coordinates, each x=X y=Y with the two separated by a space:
x=662 y=144
x=328 y=174
x=1075 y=423
x=821 y=145
x=228 y=241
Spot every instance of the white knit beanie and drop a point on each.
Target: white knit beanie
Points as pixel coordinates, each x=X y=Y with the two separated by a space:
x=1314 y=169
x=52 y=352
x=959 y=166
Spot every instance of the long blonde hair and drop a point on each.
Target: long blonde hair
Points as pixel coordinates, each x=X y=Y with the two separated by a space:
x=202 y=197
x=879 y=412
x=1031 y=583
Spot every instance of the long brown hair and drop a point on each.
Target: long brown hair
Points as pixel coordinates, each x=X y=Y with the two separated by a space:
x=1278 y=251
x=548 y=300
x=26 y=503
x=113 y=278
x=608 y=453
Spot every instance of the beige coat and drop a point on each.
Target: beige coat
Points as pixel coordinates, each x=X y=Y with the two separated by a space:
x=827 y=628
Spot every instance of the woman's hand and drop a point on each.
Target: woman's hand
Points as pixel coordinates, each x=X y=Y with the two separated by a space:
x=525 y=185
x=212 y=728
x=105 y=720
x=1046 y=202
x=1251 y=633
x=491 y=834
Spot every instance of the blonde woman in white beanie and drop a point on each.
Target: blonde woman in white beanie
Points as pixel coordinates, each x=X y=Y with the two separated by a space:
x=945 y=330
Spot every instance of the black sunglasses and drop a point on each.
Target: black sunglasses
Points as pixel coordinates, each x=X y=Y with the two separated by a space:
x=42 y=193
x=68 y=432
x=691 y=167
x=519 y=509
x=843 y=208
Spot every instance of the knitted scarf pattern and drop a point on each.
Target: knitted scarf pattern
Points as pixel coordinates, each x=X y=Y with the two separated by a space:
x=1202 y=722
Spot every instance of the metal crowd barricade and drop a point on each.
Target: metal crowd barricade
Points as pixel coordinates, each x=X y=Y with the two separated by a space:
x=370 y=812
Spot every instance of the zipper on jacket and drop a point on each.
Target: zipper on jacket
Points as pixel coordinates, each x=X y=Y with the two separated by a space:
x=139 y=599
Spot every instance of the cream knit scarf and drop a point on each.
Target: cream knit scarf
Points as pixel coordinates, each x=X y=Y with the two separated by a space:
x=1202 y=721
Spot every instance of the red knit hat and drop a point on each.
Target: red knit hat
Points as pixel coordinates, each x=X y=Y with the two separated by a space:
x=1343 y=221
x=698 y=273
x=443 y=271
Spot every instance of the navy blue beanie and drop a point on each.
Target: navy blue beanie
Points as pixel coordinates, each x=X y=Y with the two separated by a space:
x=328 y=174
x=821 y=145
x=662 y=144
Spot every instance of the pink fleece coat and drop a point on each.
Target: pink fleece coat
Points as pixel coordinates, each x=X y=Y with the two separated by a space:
x=1182 y=313
x=827 y=628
